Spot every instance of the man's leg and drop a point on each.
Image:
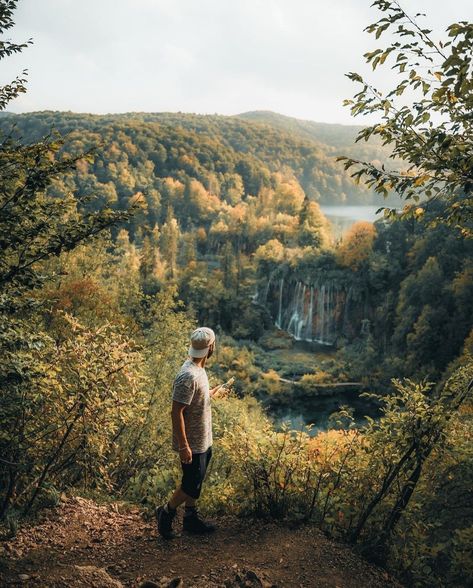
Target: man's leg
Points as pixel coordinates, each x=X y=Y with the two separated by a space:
x=192 y=520
x=190 y=502
x=178 y=497
x=190 y=507
x=165 y=514
x=188 y=492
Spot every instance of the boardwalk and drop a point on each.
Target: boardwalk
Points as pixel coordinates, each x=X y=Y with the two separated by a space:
x=331 y=385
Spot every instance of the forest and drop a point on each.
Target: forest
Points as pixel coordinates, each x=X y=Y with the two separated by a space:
x=119 y=234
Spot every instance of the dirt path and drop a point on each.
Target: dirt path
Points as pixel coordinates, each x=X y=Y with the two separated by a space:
x=81 y=543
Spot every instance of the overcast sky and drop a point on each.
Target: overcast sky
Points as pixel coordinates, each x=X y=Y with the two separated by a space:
x=204 y=56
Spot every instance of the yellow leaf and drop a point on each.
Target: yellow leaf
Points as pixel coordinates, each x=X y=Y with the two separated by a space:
x=420 y=180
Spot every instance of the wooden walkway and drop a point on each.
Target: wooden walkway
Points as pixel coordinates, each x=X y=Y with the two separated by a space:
x=332 y=385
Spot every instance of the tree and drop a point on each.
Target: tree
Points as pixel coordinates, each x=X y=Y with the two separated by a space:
x=415 y=422
x=314 y=228
x=356 y=245
x=433 y=133
x=170 y=241
x=228 y=265
x=288 y=195
x=188 y=249
x=7 y=48
x=34 y=227
x=233 y=189
x=268 y=257
x=152 y=268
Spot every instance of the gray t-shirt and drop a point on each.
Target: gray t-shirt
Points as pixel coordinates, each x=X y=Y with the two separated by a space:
x=191 y=387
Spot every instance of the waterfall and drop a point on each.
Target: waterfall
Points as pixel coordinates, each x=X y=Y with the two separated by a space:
x=267 y=290
x=301 y=321
x=311 y=315
x=320 y=315
x=345 y=311
x=314 y=312
x=297 y=321
x=294 y=317
x=279 y=321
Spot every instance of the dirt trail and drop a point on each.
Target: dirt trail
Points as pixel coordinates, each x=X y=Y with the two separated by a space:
x=80 y=543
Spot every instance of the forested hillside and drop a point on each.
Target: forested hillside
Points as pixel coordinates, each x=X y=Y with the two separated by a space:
x=335 y=138
x=220 y=201
x=216 y=150
x=119 y=234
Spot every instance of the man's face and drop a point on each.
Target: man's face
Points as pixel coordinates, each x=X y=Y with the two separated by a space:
x=211 y=350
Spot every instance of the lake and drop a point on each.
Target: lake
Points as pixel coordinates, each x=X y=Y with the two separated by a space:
x=318 y=410
x=342 y=217
x=314 y=410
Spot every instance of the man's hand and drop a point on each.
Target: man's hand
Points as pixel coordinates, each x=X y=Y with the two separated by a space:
x=185 y=454
x=214 y=391
x=222 y=390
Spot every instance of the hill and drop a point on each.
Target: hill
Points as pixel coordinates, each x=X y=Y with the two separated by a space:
x=207 y=147
x=334 y=135
x=336 y=139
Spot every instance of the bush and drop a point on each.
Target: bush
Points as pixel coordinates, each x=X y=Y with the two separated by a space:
x=398 y=487
x=310 y=381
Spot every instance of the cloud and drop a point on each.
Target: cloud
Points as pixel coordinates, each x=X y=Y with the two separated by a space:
x=198 y=55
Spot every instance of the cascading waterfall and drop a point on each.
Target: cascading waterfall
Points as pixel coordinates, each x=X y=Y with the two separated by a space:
x=267 y=290
x=319 y=312
x=279 y=321
x=346 y=311
x=311 y=313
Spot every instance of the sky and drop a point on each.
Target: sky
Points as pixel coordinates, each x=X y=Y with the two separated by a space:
x=202 y=56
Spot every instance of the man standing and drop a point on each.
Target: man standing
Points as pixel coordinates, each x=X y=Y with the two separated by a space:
x=191 y=434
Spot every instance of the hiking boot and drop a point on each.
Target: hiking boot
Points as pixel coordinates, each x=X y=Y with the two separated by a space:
x=165 y=519
x=193 y=523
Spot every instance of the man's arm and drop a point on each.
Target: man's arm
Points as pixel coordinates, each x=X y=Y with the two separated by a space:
x=179 y=427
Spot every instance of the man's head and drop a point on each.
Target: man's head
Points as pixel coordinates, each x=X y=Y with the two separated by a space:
x=202 y=342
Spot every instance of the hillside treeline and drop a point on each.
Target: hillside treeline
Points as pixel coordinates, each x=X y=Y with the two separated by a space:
x=230 y=157
x=217 y=203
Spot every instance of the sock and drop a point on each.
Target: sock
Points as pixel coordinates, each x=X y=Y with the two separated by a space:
x=190 y=510
x=169 y=508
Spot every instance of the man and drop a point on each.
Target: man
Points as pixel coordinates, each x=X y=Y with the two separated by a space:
x=191 y=434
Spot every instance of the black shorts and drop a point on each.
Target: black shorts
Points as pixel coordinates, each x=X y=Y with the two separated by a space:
x=193 y=473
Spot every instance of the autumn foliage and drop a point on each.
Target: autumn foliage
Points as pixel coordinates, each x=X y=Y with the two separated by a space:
x=356 y=245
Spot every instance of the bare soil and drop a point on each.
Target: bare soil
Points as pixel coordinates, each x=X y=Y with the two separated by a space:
x=80 y=543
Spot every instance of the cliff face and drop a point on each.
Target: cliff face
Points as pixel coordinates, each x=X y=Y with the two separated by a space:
x=80 y=543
